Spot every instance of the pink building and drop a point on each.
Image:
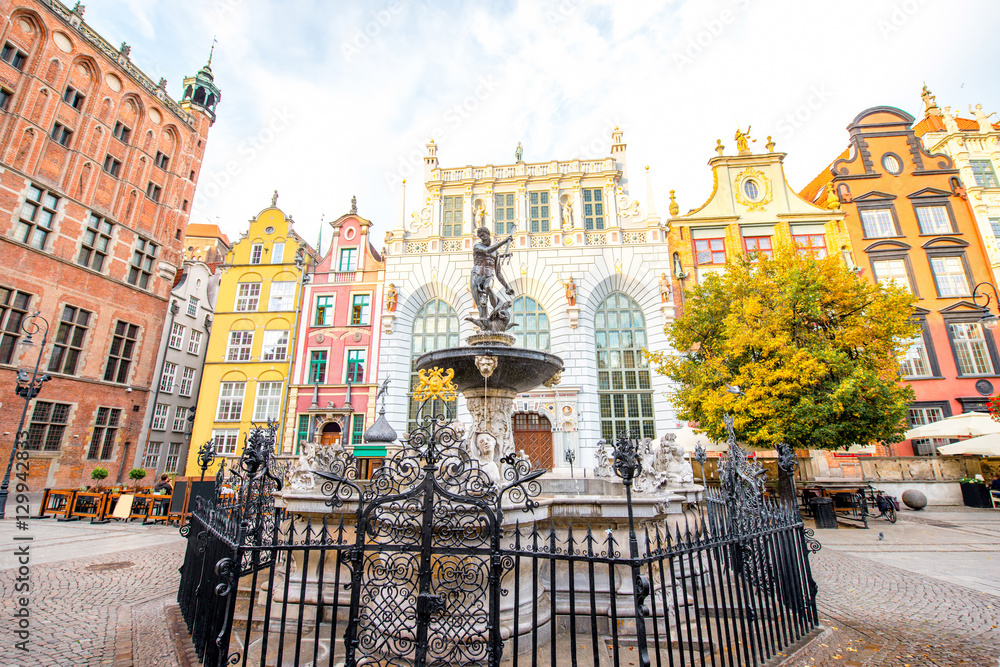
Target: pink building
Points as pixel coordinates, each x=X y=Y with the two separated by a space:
x=335 y=374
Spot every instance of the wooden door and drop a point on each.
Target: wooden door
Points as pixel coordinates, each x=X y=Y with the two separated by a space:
x=533 y=434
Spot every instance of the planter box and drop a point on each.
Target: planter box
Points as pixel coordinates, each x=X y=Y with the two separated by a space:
x=976 y=495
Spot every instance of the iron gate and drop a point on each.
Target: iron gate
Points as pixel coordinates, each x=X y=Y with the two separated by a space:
x=419 y=566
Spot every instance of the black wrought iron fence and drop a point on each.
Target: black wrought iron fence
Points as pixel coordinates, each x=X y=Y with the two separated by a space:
x=421 y=566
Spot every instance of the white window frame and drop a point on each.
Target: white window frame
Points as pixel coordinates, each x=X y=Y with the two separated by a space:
x=180 y=419
x=230 y=405
x=267 y=403
x=277 y=252
x=151 y=457
x=894 y=272
x=176 y=336
x=173 y=458
x=275 y=340
x=168 y=377
x=247 y=297
x=972 y=354
x=283 y=300
x=225 y=440
x=256 y=253
x=192 y=306
x=240 y=345
x=916 y=354
x=949 y=286
x=186 y=386
x=933 y=219
x=160 y=414
x=879 y=220
x=194 y=342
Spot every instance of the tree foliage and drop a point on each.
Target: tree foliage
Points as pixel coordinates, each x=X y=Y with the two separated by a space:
x=813 y=346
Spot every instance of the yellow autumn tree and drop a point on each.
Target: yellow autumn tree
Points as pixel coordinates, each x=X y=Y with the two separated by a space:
x=813 y=346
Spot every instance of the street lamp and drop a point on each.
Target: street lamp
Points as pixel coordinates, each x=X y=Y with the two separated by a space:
x=989 y=320
x=27 y=388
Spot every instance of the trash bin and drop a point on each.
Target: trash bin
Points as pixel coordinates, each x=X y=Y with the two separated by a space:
x=823 y=512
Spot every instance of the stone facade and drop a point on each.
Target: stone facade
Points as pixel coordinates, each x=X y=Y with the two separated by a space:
x=585 y=265
x=166 y=426
x=99 y=165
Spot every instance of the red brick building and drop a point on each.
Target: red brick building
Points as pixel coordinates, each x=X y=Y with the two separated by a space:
x=98 y=167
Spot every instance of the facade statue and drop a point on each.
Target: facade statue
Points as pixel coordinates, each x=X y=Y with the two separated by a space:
x=518 y=153
x=570 y=291
x=743 y=141
x=567 y=216
x=664 y=288
x=478 y=215
x=485 y=266
x=832 y=200
x=949 y=121
x=982 y=118
x=391 y=297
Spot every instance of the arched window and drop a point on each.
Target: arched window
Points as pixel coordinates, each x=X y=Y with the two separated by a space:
x=532 y=331
x=434 y=328
x=622 y=374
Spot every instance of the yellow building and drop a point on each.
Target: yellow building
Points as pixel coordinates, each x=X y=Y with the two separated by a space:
x=247 y=366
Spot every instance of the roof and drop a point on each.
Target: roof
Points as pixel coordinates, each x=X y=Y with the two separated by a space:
x=936 y=124
x=203 y=230
x=815 y=185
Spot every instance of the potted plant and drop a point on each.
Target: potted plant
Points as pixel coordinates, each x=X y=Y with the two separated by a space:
x=135 y=474
x=97 y=474
x=975 y=493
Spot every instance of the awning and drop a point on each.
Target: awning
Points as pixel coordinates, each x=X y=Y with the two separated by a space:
x=966 y=424
x=369 y=452
x=984 y=445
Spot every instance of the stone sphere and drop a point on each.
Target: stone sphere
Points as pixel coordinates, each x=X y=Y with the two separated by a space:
x=915 y=500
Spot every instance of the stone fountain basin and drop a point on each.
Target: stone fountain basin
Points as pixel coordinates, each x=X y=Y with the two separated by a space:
x=517 y=369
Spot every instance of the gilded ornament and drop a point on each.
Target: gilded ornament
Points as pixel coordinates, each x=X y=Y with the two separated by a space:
x=765 y=198
x=435 y=383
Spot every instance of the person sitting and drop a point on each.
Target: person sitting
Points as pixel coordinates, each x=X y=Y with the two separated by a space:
x=164 y=485
x=995 y=491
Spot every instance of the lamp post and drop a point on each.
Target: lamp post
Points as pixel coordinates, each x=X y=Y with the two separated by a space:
x=27 y=388
x=989 y=320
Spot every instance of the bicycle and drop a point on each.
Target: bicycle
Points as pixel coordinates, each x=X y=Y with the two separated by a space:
x=887 y=505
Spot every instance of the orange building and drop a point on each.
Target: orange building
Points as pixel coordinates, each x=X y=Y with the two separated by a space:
x=910 y=222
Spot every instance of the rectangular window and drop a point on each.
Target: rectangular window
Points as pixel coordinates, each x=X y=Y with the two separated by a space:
x=710 y=251
x=5 y=97
x=180 y=419
x=225 y=440
x=982 y=172
x=359 y=308
x=933 y=220
x=48 y=424
x=451 y=212
x=949 y=276
x=151 y=457
x=355 y=366
x=194 y=342
x=877 y=223
x=95 y=243
x=247 y=297
x=275 y=346
x=317 y=367
x=277 y=252
x=810 y=245
x=187 y=381
x=122 y=132
x=192 y=306
x=168 y=377
x=503 y=213
x=35 y=222
x=240 y=344
x=102 y=440
x=161 y=160
x=120 y=355
x=13 y=310
x=68 y=345
x=153 y=191
x=173 y=458
x=921 y=416
x=268 y=401
x=593 y=209
x=256 y=253
x=73 y=97
x=282 y=295
x=176 y=340
x=538 y=211
x=143 y=258
x=970 y=349
x=230 y=401
x=13 y=56
x=62 y=134
x=891 y=271
x=759 y=246
x=303 y=432
x=160 y=417
x=348 y=259
x=324 y=311
x=915 y=362
x=112 y=165
x=995 y=227
x=357 y=429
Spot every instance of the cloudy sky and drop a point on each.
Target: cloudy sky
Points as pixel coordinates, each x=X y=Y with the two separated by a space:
x=325 y=100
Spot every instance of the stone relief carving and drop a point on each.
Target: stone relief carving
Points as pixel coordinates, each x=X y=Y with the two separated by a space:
x=314 y=456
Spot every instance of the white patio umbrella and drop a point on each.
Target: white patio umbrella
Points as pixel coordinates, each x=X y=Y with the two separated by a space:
x=966 y=424
x=984 y=445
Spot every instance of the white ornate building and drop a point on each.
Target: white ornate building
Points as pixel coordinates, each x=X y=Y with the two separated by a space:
x=587 y=263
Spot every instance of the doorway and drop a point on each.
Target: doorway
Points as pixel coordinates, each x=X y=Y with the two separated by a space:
x=533 y=434
x=330 y=434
